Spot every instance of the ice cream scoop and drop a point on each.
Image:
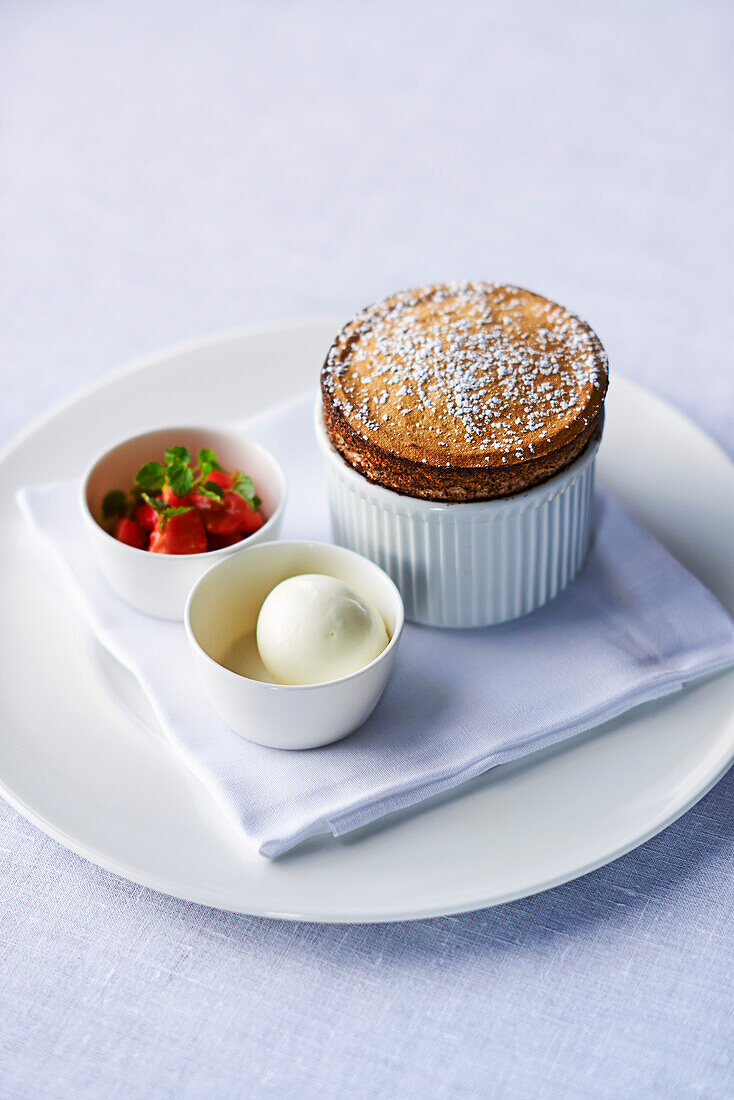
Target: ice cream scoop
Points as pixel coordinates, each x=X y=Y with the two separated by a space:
x=313 y=628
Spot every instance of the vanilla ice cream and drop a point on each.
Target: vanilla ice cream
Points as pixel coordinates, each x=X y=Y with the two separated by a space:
x=312 y=628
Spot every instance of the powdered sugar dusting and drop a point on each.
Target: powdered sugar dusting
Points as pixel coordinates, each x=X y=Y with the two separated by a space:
x=465 y=366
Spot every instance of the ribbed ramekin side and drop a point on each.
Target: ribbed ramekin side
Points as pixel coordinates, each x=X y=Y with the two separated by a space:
x=477 y=565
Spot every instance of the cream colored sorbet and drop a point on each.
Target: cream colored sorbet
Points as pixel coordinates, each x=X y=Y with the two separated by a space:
x=312 y=628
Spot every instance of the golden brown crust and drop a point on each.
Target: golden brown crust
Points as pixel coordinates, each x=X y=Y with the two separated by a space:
x=463 y=392
x=455 y=484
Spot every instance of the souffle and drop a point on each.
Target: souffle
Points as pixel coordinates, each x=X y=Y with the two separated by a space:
x=463 y=391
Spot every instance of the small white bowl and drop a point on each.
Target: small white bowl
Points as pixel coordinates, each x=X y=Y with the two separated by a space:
x=223 y=608
x=159 y=584
x=466 y=565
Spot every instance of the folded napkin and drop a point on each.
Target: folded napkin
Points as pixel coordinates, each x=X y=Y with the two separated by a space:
x=632 y=627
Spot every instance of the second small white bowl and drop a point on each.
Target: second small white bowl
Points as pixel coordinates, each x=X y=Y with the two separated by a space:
x=159 y=584
x=222 y=611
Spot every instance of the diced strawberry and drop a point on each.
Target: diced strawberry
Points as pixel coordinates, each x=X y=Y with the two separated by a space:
x=222 y=517
x=173 y=501
x=183 y=534
x=131 y=533
x=252 y=520
x=221 y=477
x=218 y=542
x=145 y=515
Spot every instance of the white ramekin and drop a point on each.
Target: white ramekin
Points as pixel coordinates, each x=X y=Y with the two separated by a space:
x=225 y=604
x=159 y=584
x=466 y=565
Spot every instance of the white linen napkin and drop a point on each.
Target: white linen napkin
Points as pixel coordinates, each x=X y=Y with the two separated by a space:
x=632 y=627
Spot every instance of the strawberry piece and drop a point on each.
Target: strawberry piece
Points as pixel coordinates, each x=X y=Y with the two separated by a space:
x=221 y=477
x=222 y=517
x=173 y=501
x=182 y=534
x=145 y=515
x=252 y=520
x=218 y=542
x=131 y=533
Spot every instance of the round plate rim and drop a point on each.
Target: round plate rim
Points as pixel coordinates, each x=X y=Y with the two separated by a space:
x=425 y=912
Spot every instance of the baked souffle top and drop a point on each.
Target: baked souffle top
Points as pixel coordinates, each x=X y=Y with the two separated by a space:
x=463 y=391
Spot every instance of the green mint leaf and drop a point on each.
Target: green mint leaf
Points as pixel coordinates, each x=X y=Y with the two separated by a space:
x=164 y=511
x=177 y=456
x=208 y=458
x=114 y=504
x=212 y=490
x=245 y=486
x=151 y=477
x=169 y=513
x=157 y=504
x=178 y=474
x=181 y=479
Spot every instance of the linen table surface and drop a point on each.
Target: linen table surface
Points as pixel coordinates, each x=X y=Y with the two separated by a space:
x=170 y=169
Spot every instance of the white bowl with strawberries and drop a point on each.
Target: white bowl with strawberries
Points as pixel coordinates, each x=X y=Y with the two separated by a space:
x=162 y=507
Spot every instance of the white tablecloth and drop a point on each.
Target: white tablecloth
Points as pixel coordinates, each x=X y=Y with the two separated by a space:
x=171 y=169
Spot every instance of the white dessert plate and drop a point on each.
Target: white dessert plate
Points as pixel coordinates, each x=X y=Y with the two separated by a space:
x=82 y=758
